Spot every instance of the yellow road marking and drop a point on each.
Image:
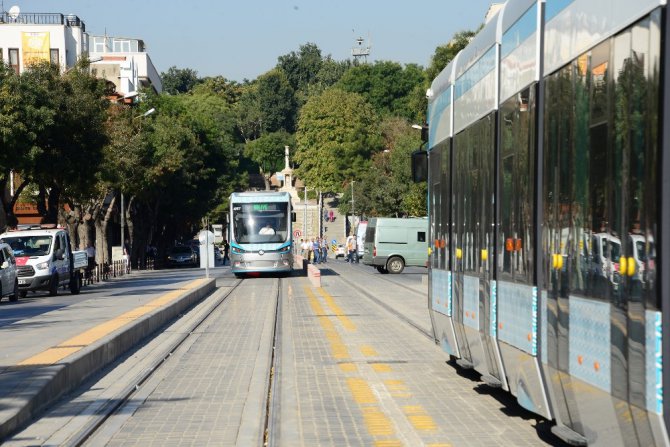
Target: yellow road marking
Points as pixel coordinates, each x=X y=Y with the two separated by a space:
x=361 y=391
x=419 y=418
x=348 y=367
x=336 y=310
x=368 y=351
x=338 y=348
x=377 y=422
x=389 y=443
x=78 y=342
x=381 y=367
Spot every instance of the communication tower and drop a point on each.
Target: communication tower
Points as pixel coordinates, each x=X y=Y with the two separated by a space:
x=361 y=51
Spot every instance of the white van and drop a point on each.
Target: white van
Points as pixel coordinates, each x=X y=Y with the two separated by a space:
x=391 y=243
x=360 y=237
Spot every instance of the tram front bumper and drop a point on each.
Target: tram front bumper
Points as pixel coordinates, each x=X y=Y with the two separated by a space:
x=253 y=262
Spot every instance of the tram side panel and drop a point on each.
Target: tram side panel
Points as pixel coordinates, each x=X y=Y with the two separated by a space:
x=600 y=204
x=595 y=319
x=517 y=300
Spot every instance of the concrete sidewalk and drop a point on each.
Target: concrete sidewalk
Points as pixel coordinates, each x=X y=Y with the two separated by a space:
x=50 y=354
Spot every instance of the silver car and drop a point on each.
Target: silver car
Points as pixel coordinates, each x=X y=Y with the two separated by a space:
x=9 y=283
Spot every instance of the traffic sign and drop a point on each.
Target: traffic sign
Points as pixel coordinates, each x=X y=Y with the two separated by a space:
x=297 y=233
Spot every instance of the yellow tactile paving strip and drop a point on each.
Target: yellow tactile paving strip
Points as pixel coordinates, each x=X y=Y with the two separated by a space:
x=378 y=424
x=78 y=342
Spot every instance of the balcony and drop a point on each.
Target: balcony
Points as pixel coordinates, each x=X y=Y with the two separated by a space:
x=43 y=19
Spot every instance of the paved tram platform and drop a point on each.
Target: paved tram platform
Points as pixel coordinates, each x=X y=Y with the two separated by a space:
x=353 y=366
x=55 y=343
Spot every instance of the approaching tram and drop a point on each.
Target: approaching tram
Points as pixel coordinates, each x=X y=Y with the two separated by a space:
x=261 y=225
x=548 y=170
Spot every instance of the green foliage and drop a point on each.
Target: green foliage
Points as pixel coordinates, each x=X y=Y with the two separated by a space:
x=301 y=68
x=386 y=188
x=446 y=53
x=268 y=151
x=387 y=86
x=229 y=91
x=337 y=133
x=179 y=80
x=276 y=102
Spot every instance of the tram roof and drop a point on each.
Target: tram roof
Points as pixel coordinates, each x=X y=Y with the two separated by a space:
x=260 y=196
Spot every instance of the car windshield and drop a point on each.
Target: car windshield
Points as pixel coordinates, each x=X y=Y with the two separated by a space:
x=29 y=245
x=255 y=223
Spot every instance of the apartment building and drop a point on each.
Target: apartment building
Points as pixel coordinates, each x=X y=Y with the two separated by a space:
x=62 y=39
x=57 y=38
x=124 y=62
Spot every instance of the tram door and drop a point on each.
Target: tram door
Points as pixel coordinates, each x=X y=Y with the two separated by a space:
x=474 y=209
x=600 y=213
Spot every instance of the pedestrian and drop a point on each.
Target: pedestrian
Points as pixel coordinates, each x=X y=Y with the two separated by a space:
x=226 y=250
x=351 y=249
x=304 y=249
x=126 y=256
x=324 y=250
x=315 y=250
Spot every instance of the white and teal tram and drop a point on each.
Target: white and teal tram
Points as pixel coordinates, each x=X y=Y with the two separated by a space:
x=548 y=167
x=261 y=225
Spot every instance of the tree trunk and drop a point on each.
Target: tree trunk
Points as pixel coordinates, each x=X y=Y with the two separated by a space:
x=103 y=248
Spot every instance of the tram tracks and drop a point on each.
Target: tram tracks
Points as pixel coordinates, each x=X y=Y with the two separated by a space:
x=114 y=404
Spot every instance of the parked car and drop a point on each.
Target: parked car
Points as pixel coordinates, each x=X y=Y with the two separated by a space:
x=181 y=255
x=340 y=251
x=9 y=282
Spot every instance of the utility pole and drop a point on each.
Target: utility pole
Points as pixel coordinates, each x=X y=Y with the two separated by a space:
x=353 y=213
x=304 y=220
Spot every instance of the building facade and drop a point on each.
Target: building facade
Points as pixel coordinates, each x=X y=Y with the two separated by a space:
x=26 y=38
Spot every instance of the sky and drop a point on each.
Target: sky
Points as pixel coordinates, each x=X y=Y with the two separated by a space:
x=243 y=39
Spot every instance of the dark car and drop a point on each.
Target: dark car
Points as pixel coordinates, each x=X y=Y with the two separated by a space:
x=181 y=255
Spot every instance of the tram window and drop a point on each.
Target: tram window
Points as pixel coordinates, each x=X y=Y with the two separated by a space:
x=517 y=178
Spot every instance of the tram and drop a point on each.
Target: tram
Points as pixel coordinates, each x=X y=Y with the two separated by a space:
x=261 y=232
x=547 y=166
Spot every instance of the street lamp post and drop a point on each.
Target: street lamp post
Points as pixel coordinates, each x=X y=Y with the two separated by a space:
x=304 y=219
x=353 y=213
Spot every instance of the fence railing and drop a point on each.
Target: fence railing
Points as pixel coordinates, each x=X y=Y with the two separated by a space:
x=42 y=19
x=115 y=269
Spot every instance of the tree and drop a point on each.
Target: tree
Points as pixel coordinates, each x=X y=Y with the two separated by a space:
x=66 y=151
x=229 y=91
x=387 y=86
x=337 y=133
x=386 y=188
x=268 y=153
x=179 y=80
x=276 y=102
x=446 y=53
x=301 y=68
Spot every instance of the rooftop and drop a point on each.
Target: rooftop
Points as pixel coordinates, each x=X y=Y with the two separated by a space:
x=32 y=18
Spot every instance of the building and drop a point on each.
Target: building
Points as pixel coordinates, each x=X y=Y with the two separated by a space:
x=56 y=38
x=125 y=63
x=61 y=39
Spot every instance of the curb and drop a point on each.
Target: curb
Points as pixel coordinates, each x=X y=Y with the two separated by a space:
x=35 y=388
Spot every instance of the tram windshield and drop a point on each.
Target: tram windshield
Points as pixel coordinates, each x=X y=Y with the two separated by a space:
x=258 y=223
